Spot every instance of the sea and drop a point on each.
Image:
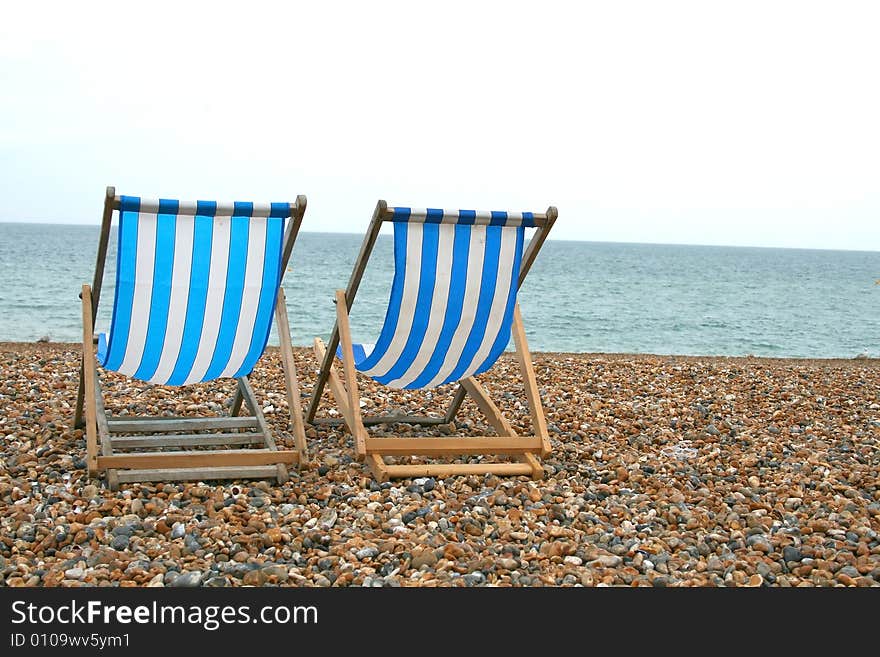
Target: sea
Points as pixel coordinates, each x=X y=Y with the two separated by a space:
x=578 y=297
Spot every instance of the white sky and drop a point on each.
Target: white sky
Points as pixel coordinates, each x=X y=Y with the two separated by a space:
x=752 y=123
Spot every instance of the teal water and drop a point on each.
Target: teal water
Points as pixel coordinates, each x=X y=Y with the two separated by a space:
x=579 y=297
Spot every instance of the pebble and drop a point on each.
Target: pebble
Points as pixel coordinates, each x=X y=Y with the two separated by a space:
x=74 y=573
x=606 y=561
x=367 y=553
x=119 y=543
x=328 y=519
x=640 y=489
x=790 y=553
x=187 y=579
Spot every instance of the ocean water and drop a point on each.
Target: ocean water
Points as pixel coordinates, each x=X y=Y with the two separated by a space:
x=579 y=296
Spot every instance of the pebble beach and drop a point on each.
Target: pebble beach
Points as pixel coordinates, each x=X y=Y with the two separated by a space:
x=666 y=471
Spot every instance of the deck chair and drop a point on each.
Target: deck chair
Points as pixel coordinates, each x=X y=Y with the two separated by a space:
x=197 y=284
x=451 y=311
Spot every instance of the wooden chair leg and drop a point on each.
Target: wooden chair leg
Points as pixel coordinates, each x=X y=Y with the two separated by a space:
x=80 y=399
x=354 y=398
x=104 y=433
x=377 y=467
x=539 y=424
x=247 y=392
x=237 y=399
x=457 y=400
x=88 y=367
x=294 y=401
x=337 y=389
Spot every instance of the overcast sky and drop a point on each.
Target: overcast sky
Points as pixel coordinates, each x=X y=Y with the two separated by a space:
x=746 y=123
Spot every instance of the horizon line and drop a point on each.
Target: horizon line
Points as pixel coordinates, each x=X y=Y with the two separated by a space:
x=549 y=239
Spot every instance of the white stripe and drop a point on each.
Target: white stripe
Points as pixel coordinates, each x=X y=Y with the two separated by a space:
x=187 y=207
x=474 y=278
x=214 y=302
x=143 y=294
x=449 y=217
x=439 y=300
x=148 y=206
x=506 y=259
x=180 y=279
x=407 y=303
x=224 y=209
x=261 y=210
x=250 y=300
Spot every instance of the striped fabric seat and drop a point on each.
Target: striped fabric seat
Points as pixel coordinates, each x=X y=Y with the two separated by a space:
x=452 y=298
x=196 y=286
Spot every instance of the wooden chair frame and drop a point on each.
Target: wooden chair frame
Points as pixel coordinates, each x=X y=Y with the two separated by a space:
x=372 y=449
x=106 y=436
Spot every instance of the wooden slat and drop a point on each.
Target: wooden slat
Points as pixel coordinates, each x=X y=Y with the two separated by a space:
x=336 y=388
x=487 y=407
x=244 y=385
x=448 y=469
x=453 y=446
x=457 y=400
x=187 y=440
x=539 y=424
x=371 y=420
x=155 y=418
x=103 y=241
x=534 y=464
x=535 y=244
x=104 y=431
x=198 y=474
x=294 y=402
x=157 y=425
x=88 y=366
x=237 y=399
x=198 y=459
x=354 y=282
x=377 y=467
x=354 y=398
x=298 y=210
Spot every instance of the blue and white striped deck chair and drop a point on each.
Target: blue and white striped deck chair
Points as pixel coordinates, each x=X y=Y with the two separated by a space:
x=197 y=286
x=451 y=312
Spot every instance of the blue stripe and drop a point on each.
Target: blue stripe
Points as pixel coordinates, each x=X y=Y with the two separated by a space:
x=390 y=325
x=206 y=208
x=203 y=229
x=457 y=283
x=467 y=217
x=163 y=265
x=129 y=204
x=102 y=347
x=422 y=313
x=528 y=219
x=168 y=206
x=280 y=210
x=359 y=352
x=484 y=303
x=401 y=214
x=243 y=209
x=268 y=296
x=126 y=263
x=434 y=216
x=498 y=218
x=229 y=316
x=504 y=332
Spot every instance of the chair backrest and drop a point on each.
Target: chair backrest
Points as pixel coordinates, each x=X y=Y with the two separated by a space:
x=452 y=298
x=196 y=284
